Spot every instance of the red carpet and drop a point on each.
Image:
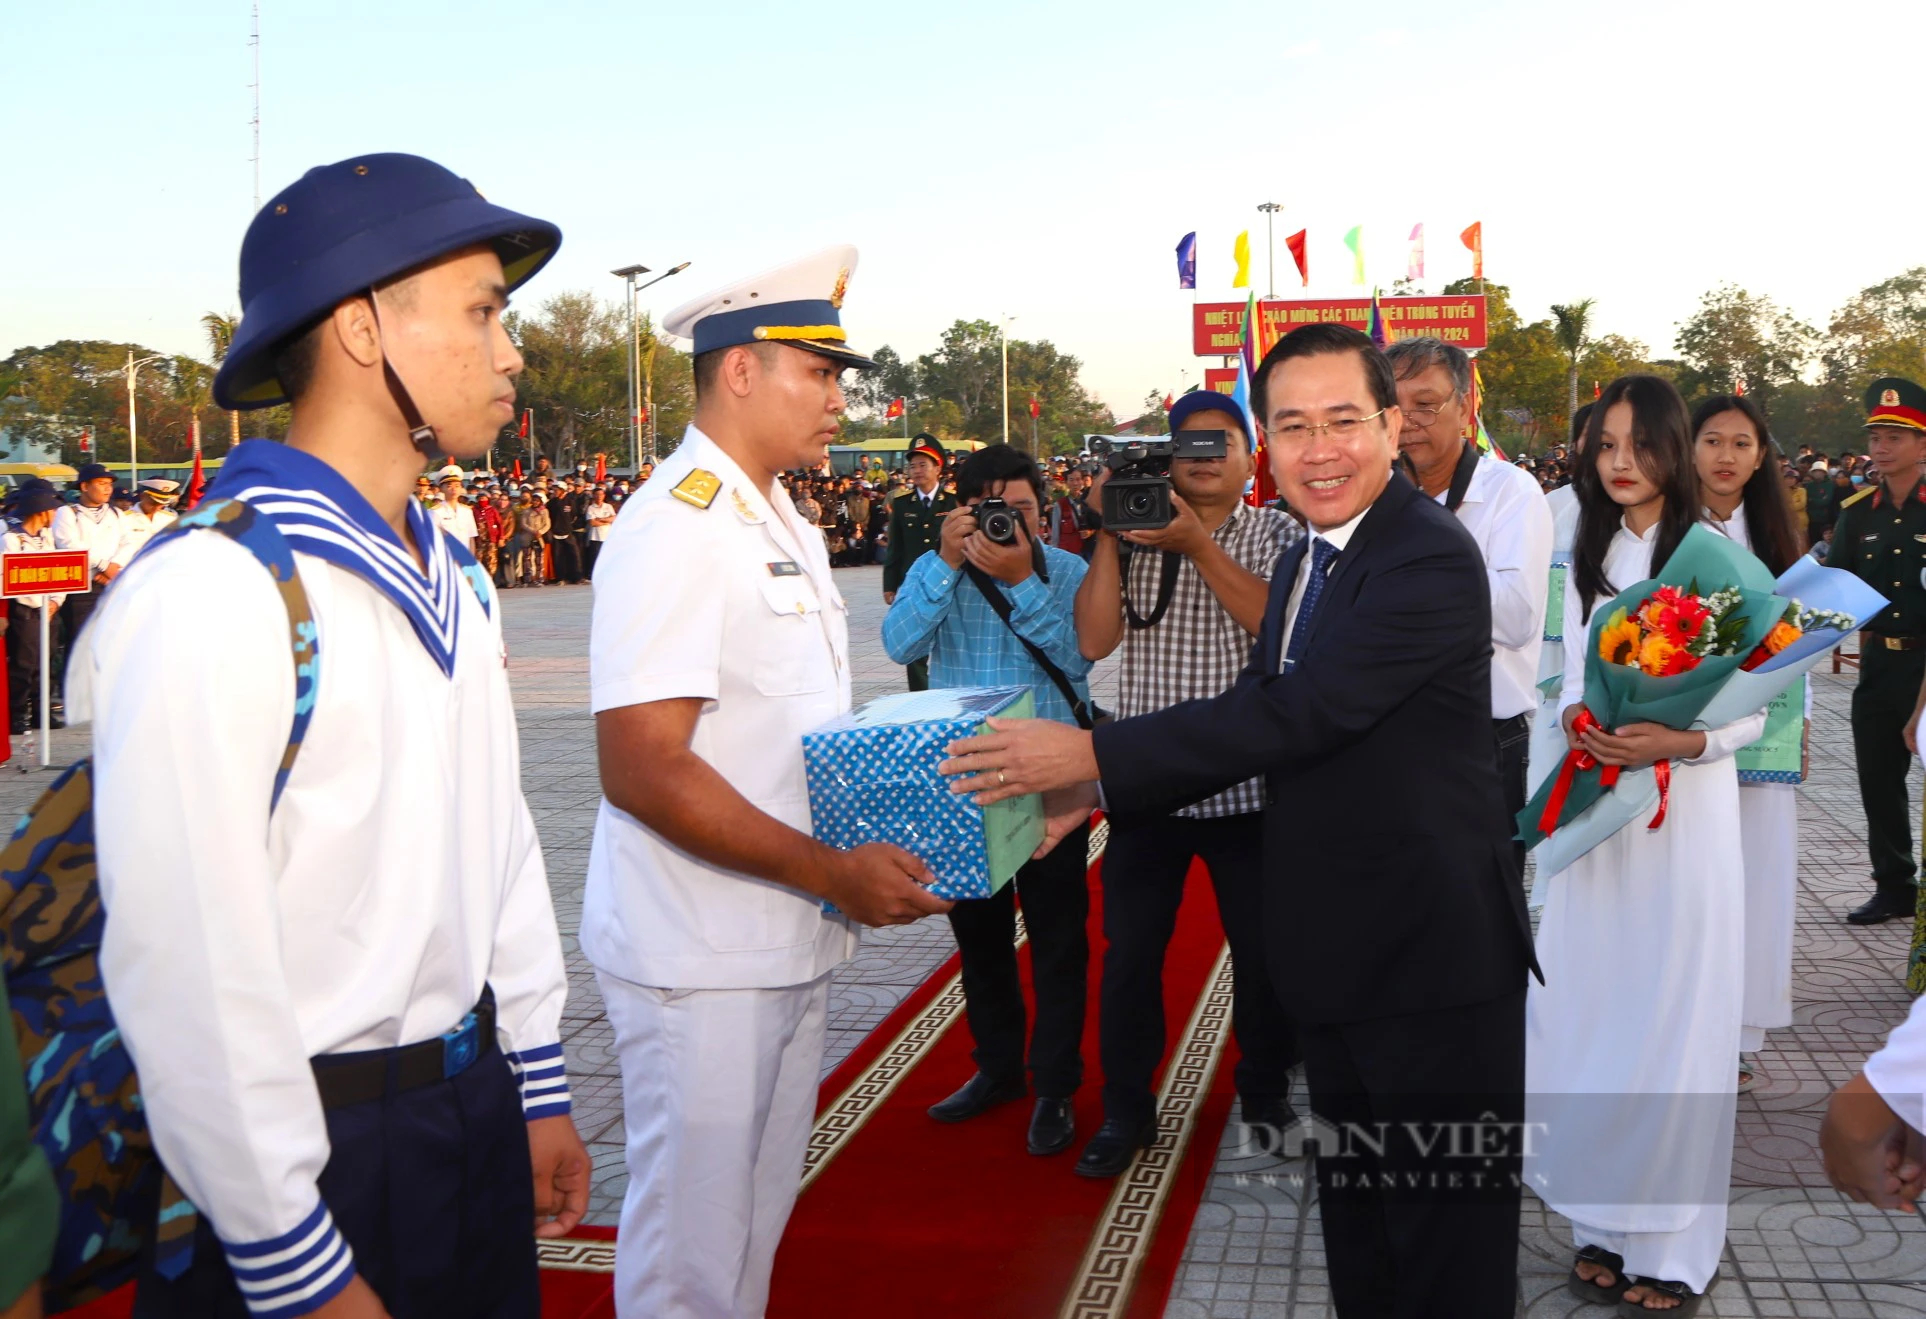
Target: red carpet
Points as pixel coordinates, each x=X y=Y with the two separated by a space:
x=911 y=1216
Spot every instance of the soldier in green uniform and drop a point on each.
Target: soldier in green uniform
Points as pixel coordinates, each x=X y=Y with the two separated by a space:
x=915 y=525
x=1881 y=536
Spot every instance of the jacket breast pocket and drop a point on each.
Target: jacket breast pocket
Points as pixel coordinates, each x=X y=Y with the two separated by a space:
x=791 y=653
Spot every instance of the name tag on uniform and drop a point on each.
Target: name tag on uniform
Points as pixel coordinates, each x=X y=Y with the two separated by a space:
x=787 y=568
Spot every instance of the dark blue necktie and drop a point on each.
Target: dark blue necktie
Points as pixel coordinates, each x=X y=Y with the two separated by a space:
x=1323 y=555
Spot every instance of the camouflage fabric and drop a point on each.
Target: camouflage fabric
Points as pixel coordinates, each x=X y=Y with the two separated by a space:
x=84 y=1099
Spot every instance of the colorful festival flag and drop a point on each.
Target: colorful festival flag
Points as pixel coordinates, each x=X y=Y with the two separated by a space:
x=1251 y=352
x=894 y=410
x=1414 y=263
x=1379 y=335
x=1187 y=261
x=1480 y=435
x=1474 y=238
x=1241 y=252
x=1355 y=241
x=1298 y=254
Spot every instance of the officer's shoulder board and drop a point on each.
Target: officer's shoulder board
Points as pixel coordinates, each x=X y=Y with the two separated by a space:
x=698 y=488
x=1862 y=493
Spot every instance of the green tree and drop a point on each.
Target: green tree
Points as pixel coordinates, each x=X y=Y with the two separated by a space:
x=1572 y=332
x=1739 y=336
x=574 y=349
x=220 y=337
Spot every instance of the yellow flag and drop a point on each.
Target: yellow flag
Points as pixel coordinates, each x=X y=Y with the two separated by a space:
x=1241 y=250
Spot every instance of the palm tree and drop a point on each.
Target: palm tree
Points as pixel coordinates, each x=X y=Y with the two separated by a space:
x=220 y=337
x=1573 y=332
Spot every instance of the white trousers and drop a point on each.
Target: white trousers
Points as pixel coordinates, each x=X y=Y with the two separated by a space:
x=1770 y=815
x=718 y=1097
x=1689 y=1255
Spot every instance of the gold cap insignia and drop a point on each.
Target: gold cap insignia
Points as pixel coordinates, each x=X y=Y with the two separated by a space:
x=699 y=488
x=842 y=287
x=1889 y=399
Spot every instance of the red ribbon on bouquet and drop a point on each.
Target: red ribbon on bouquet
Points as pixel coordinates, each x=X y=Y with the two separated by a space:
x=1575 y=760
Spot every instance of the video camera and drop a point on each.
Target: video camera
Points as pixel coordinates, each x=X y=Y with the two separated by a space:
x=1137 y=496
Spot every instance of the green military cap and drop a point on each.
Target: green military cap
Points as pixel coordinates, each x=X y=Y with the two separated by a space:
x=1896 y=401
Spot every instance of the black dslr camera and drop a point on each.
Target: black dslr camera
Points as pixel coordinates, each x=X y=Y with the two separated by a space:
x=1137 y=496
x=997 y=520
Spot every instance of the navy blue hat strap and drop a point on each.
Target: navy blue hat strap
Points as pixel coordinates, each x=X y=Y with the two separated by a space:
x=419 y=431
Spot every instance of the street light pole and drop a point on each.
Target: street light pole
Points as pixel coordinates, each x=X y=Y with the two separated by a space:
x=1270 y=210
x=1003 y=333
x=629 y=273
x=133 y=429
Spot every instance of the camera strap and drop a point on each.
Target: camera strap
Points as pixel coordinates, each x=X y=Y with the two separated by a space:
x=1461 y=478
x=1058 y=678
x=1166 y=587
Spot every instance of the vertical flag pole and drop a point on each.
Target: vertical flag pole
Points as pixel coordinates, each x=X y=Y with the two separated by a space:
x=46 y=683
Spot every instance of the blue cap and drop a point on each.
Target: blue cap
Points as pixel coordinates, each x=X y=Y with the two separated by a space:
x=343 y=228
x=91 y=472
x=1207 y=400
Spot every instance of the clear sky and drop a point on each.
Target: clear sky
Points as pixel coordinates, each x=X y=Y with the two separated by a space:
x=1039 y=160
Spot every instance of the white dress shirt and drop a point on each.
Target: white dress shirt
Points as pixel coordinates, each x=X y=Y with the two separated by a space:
x=1506 y=513
x=731 y=604
x=1898 y=1070
x=136 y=529
x=458 y=520
x=98 y=530
x=399 y=874
x=1339 y=537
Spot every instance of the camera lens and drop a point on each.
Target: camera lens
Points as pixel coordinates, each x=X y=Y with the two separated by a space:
x=1140 y=504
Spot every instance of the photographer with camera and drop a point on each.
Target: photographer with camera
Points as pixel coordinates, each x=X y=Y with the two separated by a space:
x=1184 y=600
x=994 y=607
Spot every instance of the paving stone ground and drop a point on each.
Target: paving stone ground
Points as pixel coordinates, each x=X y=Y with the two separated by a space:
x=1794 y=1247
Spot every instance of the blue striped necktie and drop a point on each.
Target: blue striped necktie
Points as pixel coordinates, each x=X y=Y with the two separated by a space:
x=1323 y=555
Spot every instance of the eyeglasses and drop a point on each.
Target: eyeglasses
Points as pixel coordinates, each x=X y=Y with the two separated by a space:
x=1344 y=428
x=1422 y=416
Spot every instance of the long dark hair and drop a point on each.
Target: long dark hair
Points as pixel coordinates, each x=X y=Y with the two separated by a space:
x=1662 y=444
x=1768 y=513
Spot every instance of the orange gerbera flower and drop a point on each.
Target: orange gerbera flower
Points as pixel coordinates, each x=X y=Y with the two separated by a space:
x=1618 y=640
x=1783 y=634
x=1661 y=657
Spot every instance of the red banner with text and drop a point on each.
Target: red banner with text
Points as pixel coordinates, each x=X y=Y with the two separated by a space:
x=1217 y=328
x=52 y=572
x=1223 y=379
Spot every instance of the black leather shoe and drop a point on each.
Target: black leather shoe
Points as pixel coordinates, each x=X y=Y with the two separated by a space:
x=1268 y=1119
x=1114 y=1146
x=1052 y=1127
x=1879 y=910
x=979 y=1095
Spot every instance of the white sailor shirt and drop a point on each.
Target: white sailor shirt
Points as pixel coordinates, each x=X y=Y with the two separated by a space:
x=98 y=530
x=399 y=874
x=21 y=542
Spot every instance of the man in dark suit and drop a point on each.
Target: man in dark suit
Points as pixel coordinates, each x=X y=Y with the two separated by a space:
x=915 y=527
x=1394 y=922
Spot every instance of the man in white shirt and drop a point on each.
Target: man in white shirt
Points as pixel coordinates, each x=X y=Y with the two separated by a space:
x=705 y=908
x=1505 y=512
x=34 y=510
x=94 y=525
x=152 y=515
x=331 y=950
x=453 y=514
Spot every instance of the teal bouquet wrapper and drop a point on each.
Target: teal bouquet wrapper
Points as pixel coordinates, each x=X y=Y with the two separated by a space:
x=1583 y=803
x=873 y=779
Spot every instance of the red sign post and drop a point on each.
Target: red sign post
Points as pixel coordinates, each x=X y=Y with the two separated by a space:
x=1217 y=328
x=48 y=572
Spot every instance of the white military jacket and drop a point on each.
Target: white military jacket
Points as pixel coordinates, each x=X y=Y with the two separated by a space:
x=708 y=587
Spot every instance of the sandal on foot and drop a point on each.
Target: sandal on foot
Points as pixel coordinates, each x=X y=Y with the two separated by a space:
x=1748 y=1078
x=1596 y=1292
x=1688 y=1300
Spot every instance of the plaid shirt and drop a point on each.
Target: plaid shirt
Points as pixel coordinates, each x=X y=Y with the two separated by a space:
x=1196 y=650
x=940 y=613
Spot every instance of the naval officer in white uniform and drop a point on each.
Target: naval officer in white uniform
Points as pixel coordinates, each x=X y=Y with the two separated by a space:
x=718 y=640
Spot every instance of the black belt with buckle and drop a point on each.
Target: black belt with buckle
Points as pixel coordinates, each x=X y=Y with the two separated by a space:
x=1896 y=643
x=359 y=1078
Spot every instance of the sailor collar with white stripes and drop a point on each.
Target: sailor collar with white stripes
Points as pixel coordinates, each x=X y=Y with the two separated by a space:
x=321 y=514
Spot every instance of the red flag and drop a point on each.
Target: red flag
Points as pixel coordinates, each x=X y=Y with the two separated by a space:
x=894 y=410
x=1035 y=410
x=1474 y=238
x=86 y=441
x=1596 y=391
x=1169 y=403
x=196 y=482
x=1296 y=243
x=517 y=473
x=601 y=468
x=642 y=418
x=523 y=432
x=1738 y=386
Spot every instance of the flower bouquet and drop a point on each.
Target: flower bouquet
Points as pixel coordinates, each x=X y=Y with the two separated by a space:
x=1710 y=640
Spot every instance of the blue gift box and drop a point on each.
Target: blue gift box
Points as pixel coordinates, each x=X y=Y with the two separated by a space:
x=873 y=779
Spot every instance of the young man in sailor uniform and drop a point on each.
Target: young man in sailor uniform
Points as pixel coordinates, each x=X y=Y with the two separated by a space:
x=704 y=913
x=343 y=1001
x=34 y=511
x=95 y=525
